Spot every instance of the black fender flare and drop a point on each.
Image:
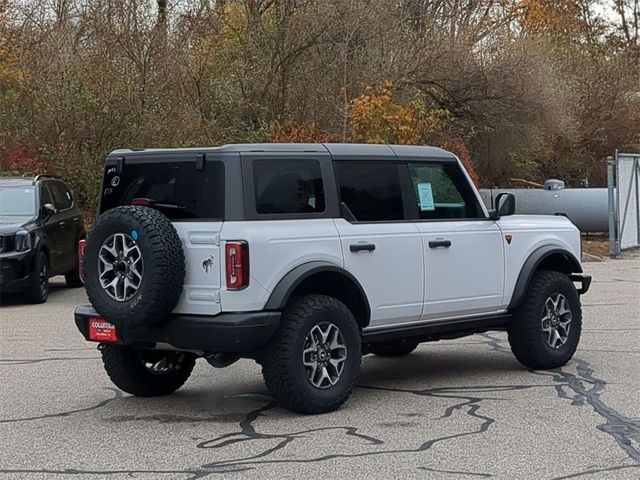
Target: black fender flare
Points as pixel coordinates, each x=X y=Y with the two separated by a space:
x=531 y=265
x=41 y=243
x=287 y=285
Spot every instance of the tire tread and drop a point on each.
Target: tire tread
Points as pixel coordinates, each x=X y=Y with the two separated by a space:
x=125 y=370
x=278 y=363
x=524 y=332
x=164 y=263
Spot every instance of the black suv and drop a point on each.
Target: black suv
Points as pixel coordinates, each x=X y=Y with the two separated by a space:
x=40 y=230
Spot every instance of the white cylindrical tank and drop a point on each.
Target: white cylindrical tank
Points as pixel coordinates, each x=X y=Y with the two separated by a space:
x=587 y=208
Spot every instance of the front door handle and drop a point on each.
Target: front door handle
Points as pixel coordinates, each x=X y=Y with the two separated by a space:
x=62 y=223
x=439 y=243
x=362 y=247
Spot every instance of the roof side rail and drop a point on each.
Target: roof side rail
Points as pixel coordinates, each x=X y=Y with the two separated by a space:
x=43 y=175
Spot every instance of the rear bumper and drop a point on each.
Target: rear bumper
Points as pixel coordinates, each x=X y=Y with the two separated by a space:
x=583 y=279
x=228 y=332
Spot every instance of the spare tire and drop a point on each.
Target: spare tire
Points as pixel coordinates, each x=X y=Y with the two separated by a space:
x=134 y=266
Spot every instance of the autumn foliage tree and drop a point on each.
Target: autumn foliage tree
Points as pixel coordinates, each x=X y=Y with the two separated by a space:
x=553 y=17
x=516 y=88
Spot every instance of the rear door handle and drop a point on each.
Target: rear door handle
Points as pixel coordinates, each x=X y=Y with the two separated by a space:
x=439 y=243
x=62 y=223
x=362 y=247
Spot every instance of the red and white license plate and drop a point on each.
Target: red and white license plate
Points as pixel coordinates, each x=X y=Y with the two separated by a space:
x=102 y=331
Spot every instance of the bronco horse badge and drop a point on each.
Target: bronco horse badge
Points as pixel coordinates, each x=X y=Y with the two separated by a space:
x=207 y=264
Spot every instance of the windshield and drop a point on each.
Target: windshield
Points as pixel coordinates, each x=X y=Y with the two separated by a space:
x=17 y=201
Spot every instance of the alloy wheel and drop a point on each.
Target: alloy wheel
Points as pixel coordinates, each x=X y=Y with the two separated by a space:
x=556 y=320
x=324 y=355
x=120 y=266
x=43 y=277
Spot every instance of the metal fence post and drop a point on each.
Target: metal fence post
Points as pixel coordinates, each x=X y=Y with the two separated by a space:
x=613 y=227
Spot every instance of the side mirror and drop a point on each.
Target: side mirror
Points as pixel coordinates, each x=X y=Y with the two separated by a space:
x=505 y=204
x=48 y=209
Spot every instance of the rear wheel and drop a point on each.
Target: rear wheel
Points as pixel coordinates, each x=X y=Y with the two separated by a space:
x=399 y=349
x=312 y=362
x=545 y=330
x=146 y=373
x=39 y=291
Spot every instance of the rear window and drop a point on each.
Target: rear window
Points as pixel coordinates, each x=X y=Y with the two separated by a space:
x=61 y=196
x=178 y=189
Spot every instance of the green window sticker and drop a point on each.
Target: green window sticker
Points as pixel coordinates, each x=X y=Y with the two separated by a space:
x=425 y=196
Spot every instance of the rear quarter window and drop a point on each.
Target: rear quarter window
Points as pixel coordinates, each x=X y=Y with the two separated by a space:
x=176 y=188
x=288 y=186
x=61 y=196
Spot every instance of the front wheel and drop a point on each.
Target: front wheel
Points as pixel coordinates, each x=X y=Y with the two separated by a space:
x=312 y=362
x=146 y=373
x=39 y=291
x=545 y=330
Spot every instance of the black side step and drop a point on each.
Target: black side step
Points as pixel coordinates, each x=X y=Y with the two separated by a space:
x=437 y=330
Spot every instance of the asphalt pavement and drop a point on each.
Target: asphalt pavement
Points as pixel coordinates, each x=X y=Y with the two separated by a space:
x=453 y=409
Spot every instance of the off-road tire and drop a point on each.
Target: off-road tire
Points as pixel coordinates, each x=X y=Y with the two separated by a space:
x=39 y=292
x=399 y=349
x=282 y=365
x=128 y=372
x=525 y=331
x=163 y=263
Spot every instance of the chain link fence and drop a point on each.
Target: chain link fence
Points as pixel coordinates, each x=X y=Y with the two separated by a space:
x=623 y=172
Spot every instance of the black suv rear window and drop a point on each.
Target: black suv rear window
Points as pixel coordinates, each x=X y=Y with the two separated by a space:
x=61 y=196
x=176 y=188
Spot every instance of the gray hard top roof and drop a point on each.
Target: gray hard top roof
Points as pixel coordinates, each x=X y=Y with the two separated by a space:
x=16 y=181
x=337 y=150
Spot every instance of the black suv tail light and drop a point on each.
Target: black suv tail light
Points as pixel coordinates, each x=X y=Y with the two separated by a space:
x=237 y=263
x=81 y=246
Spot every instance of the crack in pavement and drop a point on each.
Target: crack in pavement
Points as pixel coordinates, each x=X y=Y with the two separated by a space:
x=73 y=471
x=583 y=388
x=596 y=470
x=456 y=472
x=117 y=395
x=604 y=304
x=604 y=350
x=617 y=280
x=68 y=349
x=623 y=429
x=469 y=402
x=31 y=361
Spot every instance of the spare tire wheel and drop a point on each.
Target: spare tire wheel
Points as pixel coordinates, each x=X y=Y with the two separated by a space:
x=134 y=266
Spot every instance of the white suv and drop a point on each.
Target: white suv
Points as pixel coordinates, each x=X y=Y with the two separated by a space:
x=304 y=257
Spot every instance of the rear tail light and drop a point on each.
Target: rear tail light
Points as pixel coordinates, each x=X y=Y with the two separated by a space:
x=237 y=263
x=81 y=246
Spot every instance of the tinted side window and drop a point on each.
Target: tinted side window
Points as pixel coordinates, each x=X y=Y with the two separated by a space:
x=442 y=192
x=371 y=190
x=288 y=186
x=176 y=188
x=61 y=197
